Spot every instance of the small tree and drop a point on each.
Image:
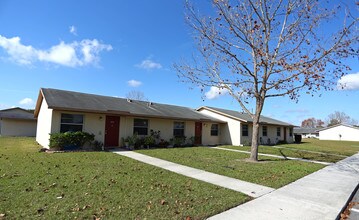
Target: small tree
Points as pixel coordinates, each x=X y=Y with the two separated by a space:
x=259 y=49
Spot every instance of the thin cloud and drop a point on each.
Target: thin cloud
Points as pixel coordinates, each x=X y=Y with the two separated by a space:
x=4 y=106
x=27 y=101
x=75 y=54
x=149 y=64
x=215 y=92
x=134 y=83
x=349 y=82
x=73 y=30
x=298 y=110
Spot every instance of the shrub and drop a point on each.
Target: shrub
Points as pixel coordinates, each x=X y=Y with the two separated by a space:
x=60 y=141
x=149 y=141
x=163 y=143
x=247 y=143
x=97 y=145
x=282 y=142
x=178 y=141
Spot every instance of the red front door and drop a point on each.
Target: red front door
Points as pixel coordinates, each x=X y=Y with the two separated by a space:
x=198 y=133
x=112 y=131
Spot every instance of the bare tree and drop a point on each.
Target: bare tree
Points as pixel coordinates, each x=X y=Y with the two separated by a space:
x=312 y=123
x=136 y=95
x=340 y=117
x=259 y=49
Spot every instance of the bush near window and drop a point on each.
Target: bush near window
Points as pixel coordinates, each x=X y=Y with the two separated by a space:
x=60 y=141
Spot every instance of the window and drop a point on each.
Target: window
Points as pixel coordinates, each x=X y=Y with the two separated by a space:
x=71 y=122
x=264 y=131
x=214 y=130
x=140 y=126
x=244 y=130
x=290 y=132
x=278 y=131
x=178 y=129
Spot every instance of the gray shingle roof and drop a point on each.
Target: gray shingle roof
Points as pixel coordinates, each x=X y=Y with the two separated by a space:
x=68 y=100
x=17 y=113
x=247 y=118
x=305 y=130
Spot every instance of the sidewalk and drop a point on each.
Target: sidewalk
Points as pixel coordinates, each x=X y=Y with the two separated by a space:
x=251 y=189
x=320 y=195
x=276 y=156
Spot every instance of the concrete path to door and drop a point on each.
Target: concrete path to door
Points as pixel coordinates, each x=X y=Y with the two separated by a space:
x=320 y=195
x=251 y=189
x=272 y=155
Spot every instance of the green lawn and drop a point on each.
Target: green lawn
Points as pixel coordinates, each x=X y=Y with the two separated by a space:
x=105 y=185
x=346 y=148
x=291 y=153
x=270 y=172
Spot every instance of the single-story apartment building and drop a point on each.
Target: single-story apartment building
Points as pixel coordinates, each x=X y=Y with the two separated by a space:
x=339 y=132
x=110 y=119
x=307 y=132
x=239 y=126
x=17 y=122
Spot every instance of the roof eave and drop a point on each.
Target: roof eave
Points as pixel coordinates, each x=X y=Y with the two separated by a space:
x=221 y=113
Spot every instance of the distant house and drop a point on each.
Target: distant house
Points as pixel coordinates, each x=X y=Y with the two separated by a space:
x=307 y=132
x=17 y=122
x=238 y=127
x=111 y=119
x=340 y=132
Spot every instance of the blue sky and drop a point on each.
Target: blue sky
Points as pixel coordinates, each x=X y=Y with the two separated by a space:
x=113 y=47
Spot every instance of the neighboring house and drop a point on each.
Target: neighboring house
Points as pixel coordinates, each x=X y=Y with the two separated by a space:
x=238 y=129
x=307 y=132
x=340 y=132
x=111 y=119
x=17 y=122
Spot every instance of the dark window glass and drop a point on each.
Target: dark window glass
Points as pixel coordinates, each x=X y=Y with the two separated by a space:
x=214 y=130
x=290 y=132
x=140 y=126
x=264 y=133
x=71 y=122
x=178 y=129
x=278 y=131
x=244 y=130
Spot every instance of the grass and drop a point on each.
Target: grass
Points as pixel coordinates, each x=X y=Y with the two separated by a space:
x=271 y=172
x=292 y=152
x=345 y=148
x=98 y=184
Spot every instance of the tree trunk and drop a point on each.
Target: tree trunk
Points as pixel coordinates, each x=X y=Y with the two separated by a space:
x=255 y=132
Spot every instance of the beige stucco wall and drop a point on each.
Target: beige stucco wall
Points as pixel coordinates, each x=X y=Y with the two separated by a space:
x=207 y=139
x=165 y=126
x=347 y=133
x=44 y=121
x=92 y=123
x=17 y=127
x=230 y=132
x=95 y=124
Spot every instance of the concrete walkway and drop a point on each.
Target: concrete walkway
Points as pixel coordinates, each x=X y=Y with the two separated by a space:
x=251 y=189
x=276 y=156
x=320 y=195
